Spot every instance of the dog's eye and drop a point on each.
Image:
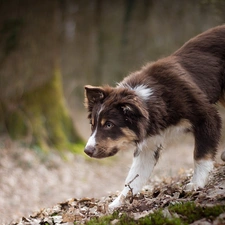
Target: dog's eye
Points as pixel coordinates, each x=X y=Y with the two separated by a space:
x=108 y=125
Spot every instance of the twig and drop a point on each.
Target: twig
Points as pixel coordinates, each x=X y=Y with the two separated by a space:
x=131 y=189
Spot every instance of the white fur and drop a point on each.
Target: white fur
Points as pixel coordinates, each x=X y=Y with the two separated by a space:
x=202 y=168
x=100 y=110
x=91 y=140
x=143 y=91
x=141 y=168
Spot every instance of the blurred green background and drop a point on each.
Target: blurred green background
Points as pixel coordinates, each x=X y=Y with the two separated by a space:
x=50 y=49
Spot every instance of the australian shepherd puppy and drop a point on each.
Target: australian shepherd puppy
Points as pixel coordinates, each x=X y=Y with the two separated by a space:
x=160 y=100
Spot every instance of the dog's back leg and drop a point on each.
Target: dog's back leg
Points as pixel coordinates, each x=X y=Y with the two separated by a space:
x=207 y=134
x=140 y=171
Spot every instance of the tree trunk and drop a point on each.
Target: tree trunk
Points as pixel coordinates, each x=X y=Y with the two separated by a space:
x=32 y=104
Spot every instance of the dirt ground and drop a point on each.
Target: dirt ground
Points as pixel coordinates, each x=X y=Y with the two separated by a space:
x=31 y=180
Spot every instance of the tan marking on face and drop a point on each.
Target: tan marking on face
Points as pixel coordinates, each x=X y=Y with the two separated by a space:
x=92 y=121
x=103 y=121
x=108 y=146
x=125 y=142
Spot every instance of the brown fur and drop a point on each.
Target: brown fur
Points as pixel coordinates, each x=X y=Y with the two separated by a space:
x=185 y=86
x=172 y=94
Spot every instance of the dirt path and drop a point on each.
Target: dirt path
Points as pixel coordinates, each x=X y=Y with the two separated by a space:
x=30 y=180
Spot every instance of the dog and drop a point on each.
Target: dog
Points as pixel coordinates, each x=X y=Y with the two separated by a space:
x=164 y=98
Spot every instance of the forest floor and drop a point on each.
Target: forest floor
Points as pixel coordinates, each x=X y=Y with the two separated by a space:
x=166 y=203
x=31 y=180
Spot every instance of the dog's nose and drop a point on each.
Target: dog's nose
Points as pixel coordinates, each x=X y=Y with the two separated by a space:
x=89 y=150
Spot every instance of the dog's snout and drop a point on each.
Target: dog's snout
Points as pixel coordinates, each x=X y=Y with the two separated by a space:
x=89 y=150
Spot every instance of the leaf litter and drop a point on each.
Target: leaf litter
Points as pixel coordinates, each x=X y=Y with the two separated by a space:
x=161 y=195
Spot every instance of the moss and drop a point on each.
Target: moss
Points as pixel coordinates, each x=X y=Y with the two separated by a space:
x=153 y=219
x=190 y=212
x=103 y=220
x=181 y=214
x=16 y=120
x=49 y=105
x=159 y=219
x=42 y=114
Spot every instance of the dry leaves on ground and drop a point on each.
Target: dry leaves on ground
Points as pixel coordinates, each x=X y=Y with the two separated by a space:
x=164 y=193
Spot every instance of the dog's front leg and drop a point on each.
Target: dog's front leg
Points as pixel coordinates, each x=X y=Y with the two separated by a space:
x=138 y=175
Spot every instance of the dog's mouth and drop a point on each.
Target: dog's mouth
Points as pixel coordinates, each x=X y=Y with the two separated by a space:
x=100 y=153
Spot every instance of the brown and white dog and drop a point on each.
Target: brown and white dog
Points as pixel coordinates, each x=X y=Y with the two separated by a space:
x=167 y=96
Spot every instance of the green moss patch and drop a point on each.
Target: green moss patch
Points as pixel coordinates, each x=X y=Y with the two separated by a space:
x=189 y=212
x=183 y=213
x=42 y=115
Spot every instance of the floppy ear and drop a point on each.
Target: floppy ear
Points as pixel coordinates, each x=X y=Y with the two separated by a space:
x=131 y=110
x=94 y=94
x=136 y=115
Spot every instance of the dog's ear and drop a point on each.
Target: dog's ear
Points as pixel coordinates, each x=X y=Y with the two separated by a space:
x=132 y=110
x=136 y=115
x=94 y=94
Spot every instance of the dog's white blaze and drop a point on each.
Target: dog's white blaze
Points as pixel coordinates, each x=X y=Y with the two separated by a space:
x=202 y=168
x=91 y=140
x=143 y=91
x=100 y=110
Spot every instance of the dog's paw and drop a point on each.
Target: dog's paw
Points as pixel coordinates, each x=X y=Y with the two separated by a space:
x=191 y=187
x=117 y=202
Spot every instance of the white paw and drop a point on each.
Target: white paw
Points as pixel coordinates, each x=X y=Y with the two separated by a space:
x=191 y=187
x=117 y=202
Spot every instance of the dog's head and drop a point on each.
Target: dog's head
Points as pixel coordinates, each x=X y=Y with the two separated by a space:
x=118 y=119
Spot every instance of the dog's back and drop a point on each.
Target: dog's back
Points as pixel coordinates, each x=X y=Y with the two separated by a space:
x=203 y=57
